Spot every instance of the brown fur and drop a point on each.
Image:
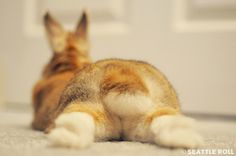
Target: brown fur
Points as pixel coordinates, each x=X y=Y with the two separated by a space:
x=60 y=69
x=79 y=102
x=46 y=95
x=70 y=83
x=161 y=112
x=120 y=79
x=96 y=111
x=115 y=75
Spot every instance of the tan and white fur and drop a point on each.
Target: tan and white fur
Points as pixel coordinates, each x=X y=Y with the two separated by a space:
x=114 y=99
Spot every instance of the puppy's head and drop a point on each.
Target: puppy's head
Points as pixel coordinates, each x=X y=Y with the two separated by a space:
x=70 y=49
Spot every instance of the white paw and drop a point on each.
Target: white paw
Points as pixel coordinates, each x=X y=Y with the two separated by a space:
x=175 y=131
x=73 y=130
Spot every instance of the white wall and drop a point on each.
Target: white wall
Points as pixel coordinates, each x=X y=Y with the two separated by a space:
x=201 y=65
x=1 y=86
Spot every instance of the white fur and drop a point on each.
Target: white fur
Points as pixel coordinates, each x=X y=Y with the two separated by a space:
x=175 y=131
x=125 y=105
x=73 y=130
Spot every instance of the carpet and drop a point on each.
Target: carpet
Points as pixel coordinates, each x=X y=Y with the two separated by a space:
x=17 y=138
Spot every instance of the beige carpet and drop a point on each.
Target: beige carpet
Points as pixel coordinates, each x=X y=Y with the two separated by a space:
x=16 y=138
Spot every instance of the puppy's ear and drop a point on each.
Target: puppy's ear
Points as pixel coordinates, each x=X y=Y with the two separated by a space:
x=82 y=27
x=55 y=33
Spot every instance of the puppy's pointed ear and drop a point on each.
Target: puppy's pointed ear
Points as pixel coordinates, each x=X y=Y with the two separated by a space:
x=55 y=33
x=52 y=26
x=82 y=27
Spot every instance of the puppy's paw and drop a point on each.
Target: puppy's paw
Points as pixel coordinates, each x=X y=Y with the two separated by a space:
x=73 y=130
x=64 y=138
x=175 y=131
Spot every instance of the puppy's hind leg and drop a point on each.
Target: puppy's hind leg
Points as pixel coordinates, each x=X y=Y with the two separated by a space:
x=81 y=124
x=75 y=129
x=165 y=127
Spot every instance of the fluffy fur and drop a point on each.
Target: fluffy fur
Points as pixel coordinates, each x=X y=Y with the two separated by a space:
x=126 y=105
x=79 y=102
x=175 y=131
x=69 y=55
x=73 y=130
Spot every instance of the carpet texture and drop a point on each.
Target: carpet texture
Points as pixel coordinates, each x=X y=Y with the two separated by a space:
x=16 y=138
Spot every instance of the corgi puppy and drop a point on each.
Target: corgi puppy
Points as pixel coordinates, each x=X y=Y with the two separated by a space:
x=78 y=102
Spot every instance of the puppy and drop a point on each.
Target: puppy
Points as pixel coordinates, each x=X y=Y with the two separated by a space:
x=78 y=101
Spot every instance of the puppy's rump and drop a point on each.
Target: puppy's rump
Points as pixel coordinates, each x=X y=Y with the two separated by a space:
x=126 y=104
x=124 y=87
x=124 y=91
x=79 y=102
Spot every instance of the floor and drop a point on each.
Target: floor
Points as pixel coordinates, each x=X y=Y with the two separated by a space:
x=16 y=138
